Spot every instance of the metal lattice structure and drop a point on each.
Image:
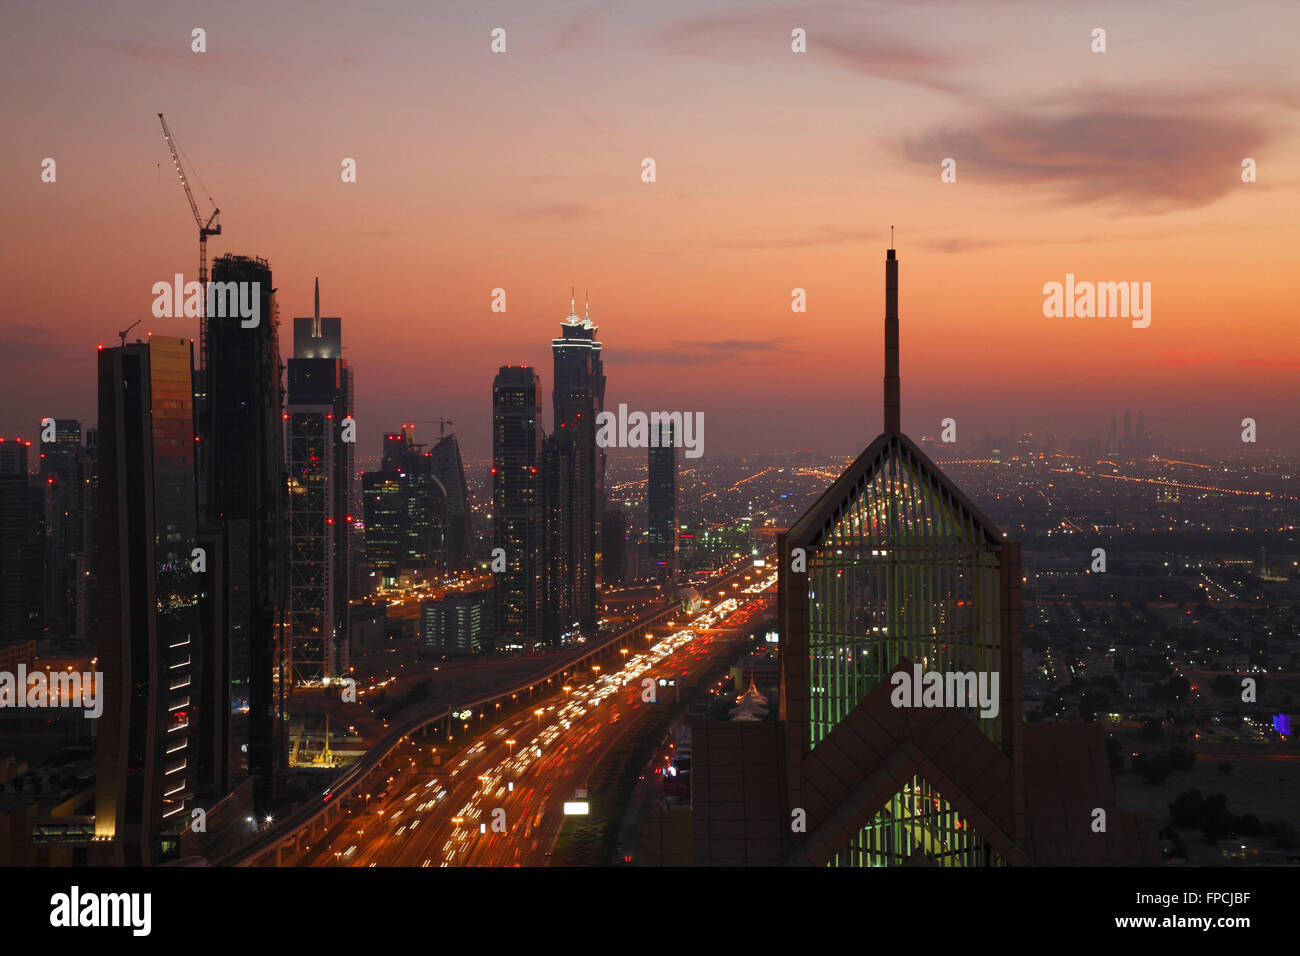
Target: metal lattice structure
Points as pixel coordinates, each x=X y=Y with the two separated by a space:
x=905 y=571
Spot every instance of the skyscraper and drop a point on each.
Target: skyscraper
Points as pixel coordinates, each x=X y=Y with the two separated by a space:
x=578 y=397
x=613 y=540
x=60 y=481
x=150 y=595
x=243 y=485
x=20 y=548
x=449 y=470
x=893 y=577
x=661 y=503
x=384 y=495
x=517 y=504
x=559 y=554
x=321 y=507
x=419 y=526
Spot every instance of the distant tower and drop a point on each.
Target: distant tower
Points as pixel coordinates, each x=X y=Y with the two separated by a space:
x=321 y=502
x=578 y=398
x=661 y=501
x=517 y=512
x=1128 y=428
x=1112 y=437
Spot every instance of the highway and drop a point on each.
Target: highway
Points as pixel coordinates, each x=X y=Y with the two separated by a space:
x=499 y=800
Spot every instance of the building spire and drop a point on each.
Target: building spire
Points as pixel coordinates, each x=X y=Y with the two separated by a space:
x=315 y=325
x=587 y=304
x=893 y=417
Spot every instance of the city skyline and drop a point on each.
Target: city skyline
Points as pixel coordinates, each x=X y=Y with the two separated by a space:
x=991 y=557
x=693 y=274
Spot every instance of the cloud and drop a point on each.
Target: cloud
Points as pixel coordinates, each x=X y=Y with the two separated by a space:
x=844 y=36
x=1138 y=153
x=1272 y=362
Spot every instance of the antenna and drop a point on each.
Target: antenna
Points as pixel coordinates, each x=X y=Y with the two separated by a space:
x=891 y=237
x=893 y=421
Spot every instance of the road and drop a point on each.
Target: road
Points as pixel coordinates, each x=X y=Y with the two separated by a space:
x=499 y=801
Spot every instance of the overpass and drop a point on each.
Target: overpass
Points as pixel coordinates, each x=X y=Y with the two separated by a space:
x=316 y=815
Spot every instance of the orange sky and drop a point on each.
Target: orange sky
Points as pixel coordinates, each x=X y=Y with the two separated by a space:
x=775 y=170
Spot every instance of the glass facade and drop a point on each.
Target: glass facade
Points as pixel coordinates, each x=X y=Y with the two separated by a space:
x=904 y=571
x=918 y=818
x=311 y=537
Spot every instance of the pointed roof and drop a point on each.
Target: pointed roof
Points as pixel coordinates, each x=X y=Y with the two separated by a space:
x=891 y=459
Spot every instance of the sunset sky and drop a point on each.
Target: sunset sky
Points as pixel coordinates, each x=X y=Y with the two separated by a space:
x=775 y=170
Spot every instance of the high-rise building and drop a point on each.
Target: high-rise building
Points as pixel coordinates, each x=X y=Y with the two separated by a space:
x=517 y=505
x=420 y=524
x=661 y=503
x=21 y=548
x=150 y=630
x=88 y=560
x=384 y=495
x=449 y=471
x=559 y=555
x=243 y=484
x=892 y=586
x=60 y=482
x=321 y=459
x=613 y=539
x=578 y=397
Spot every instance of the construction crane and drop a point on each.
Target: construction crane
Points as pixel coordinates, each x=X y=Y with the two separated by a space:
x=122 y=334
x=210 y=228
x=440 y=422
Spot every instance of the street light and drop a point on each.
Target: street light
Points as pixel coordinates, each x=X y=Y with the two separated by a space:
x=539 y=713
x=511 y=745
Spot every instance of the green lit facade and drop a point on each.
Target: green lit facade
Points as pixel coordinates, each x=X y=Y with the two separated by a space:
x=894 y=568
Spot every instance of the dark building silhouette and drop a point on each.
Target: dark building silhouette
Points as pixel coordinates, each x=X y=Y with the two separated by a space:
x=321 y=464
x=661 y=504
x=893 y=570
x=243 y=485
x=613 y=539
x=517 y=505
x=449 y=471
x=150 y=632
x=578 y=397
x=413 y=539
x=560 y=553
x=87 y=586
x=60 y=480
x=21 y=547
